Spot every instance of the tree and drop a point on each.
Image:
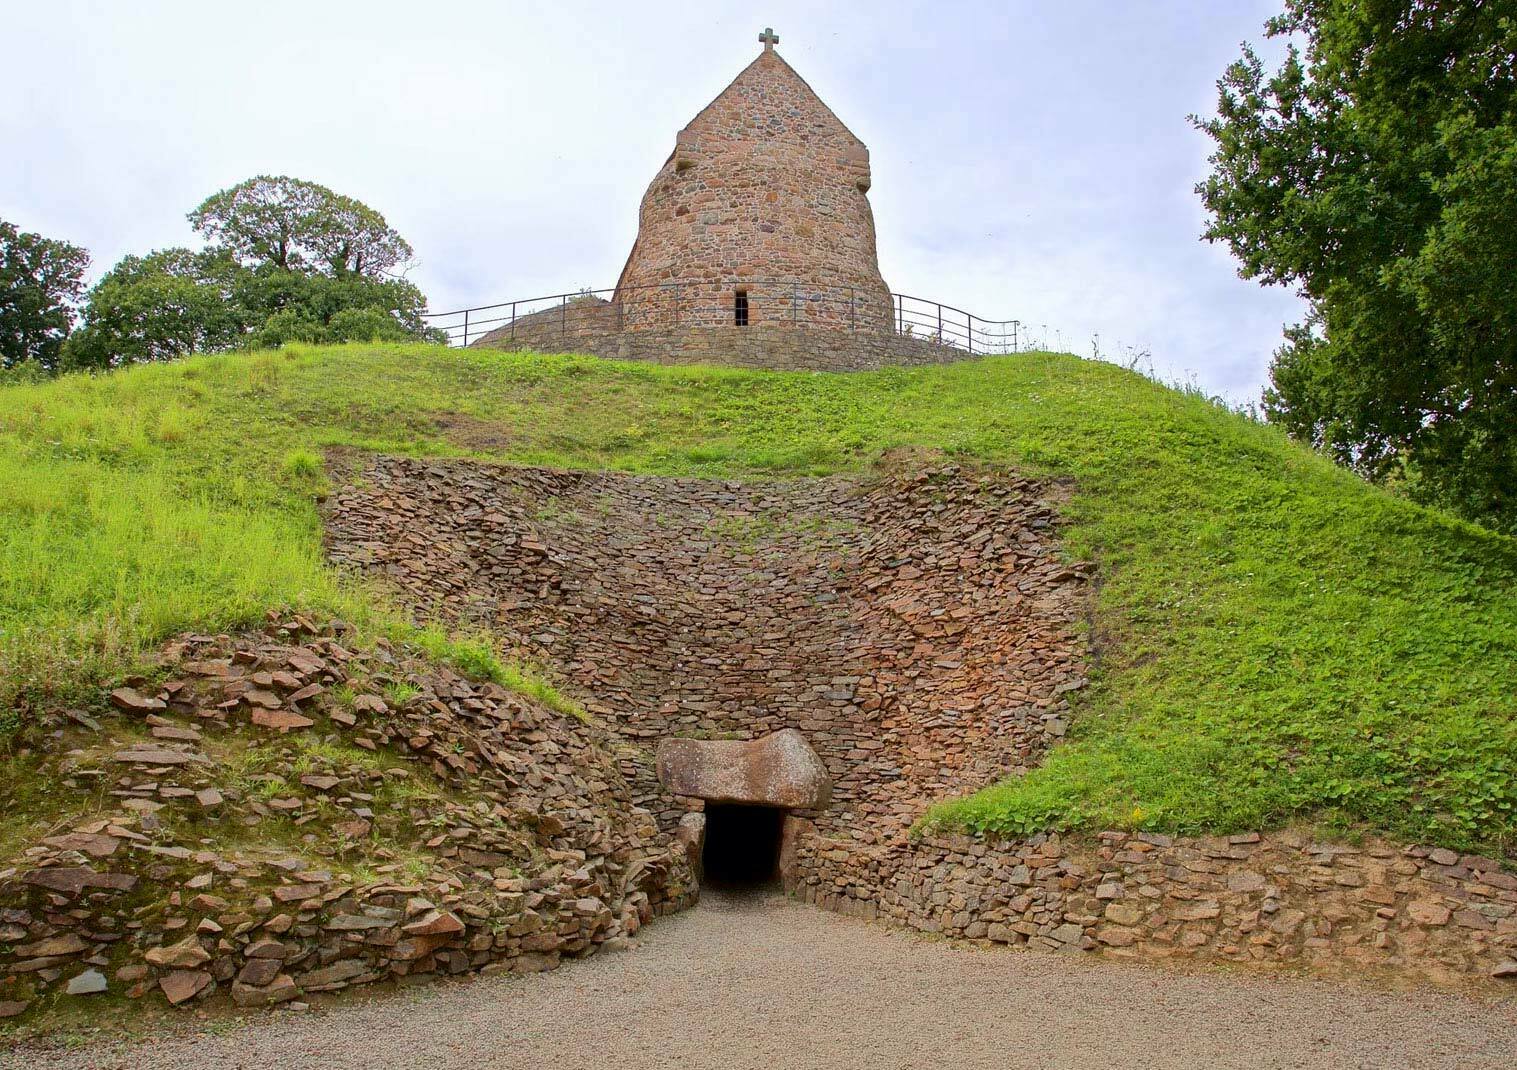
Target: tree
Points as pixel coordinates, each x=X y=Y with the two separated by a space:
x=40 y=280
x=296 y=225
x=290 y=306
x=1376 y=172
x=158 y=307
x=288 y=261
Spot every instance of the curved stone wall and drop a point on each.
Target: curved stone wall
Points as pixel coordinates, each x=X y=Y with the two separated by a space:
x=764 y=183
x=775 y=347
x=918 y=630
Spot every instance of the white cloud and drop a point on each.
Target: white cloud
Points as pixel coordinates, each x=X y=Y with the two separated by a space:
x=1030 y=160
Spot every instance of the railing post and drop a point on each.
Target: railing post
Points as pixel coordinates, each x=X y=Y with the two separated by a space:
x=563 y=317
x=513 y=321
x=900 y=313
x=466 y=329
x=1016 y=347
x=940 y=323
x=970 y=321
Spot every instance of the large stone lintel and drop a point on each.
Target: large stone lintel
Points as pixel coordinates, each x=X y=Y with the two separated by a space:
x=778 y=770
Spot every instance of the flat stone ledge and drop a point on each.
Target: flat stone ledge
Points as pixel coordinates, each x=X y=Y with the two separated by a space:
x=779 y=769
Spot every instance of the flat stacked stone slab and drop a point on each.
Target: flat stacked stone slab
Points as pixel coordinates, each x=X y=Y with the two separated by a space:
x=493 y=826
x=776 y=770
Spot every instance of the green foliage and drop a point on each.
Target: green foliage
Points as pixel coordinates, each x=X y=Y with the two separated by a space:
x=1378 y=175
x=399 y=693
x=40 y=279
x=27 y=371
x=300 y=227
x=1278 y=640
x=162 y=306
x=302 y=463
x=289 y=306
x=292 y=262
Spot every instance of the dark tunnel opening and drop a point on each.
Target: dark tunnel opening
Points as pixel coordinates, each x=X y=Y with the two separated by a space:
x=742 y=845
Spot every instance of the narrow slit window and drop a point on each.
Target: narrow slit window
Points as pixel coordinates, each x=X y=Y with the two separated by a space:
x=740 y=309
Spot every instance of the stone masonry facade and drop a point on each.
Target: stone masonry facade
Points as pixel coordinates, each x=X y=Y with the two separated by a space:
x=917 y=629
x=765 y=184
x=755 y=247
x=920 y=631
x=1278 y=899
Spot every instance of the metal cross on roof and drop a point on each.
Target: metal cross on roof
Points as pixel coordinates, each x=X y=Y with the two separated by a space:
x=770 y=38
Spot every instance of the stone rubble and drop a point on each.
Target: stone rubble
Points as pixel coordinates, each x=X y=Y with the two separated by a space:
x=408 y=821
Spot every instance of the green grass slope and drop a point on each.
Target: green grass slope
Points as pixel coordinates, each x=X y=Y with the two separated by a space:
x=1277 y=641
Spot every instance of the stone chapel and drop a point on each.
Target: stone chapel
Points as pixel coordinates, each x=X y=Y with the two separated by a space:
x=755 y=247
x=761 y=214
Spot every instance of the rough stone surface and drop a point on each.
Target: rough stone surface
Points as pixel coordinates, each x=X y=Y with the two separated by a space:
x=775 y=346
x=769 y=984
x=764 y=196
x=516 y=833
x=1335 y=909
x=180 y=986
x=765 y=183
x=917 y=629
x=775 y=770
x=918 y=632
x=87 y=983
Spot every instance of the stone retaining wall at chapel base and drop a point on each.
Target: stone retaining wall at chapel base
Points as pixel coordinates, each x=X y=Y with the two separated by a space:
x=1281 y=898
x=776 y=347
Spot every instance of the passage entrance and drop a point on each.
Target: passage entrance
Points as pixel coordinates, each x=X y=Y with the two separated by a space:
x=742 y=844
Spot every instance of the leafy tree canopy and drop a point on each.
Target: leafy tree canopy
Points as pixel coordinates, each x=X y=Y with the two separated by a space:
x=300 y=226
x=288 y=261
x=1376 y=172
x=161 y=306
x=40 y=279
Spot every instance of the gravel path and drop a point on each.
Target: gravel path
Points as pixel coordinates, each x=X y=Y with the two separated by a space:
x=765 y=983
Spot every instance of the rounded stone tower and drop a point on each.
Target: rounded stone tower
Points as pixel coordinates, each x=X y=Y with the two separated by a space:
x=760 y=216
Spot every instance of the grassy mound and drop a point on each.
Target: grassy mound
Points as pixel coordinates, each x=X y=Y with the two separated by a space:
x=1276 y=640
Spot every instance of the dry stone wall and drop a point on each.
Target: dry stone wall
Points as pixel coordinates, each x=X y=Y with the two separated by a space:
x=281 y=814
x=1274 y=899
x=581 y=327
x=918 y=630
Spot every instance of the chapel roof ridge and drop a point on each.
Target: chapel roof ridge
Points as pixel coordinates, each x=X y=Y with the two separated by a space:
x=770 y=55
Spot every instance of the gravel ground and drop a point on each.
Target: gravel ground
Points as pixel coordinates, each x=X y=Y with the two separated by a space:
x=761 y=982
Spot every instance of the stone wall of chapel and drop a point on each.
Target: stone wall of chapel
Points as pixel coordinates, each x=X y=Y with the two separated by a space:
x=765 y=186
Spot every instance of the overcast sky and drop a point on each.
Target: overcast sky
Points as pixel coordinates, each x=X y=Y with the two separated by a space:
x=1030 y=159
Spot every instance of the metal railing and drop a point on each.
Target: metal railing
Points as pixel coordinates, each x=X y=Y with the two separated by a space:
x=701 y=303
